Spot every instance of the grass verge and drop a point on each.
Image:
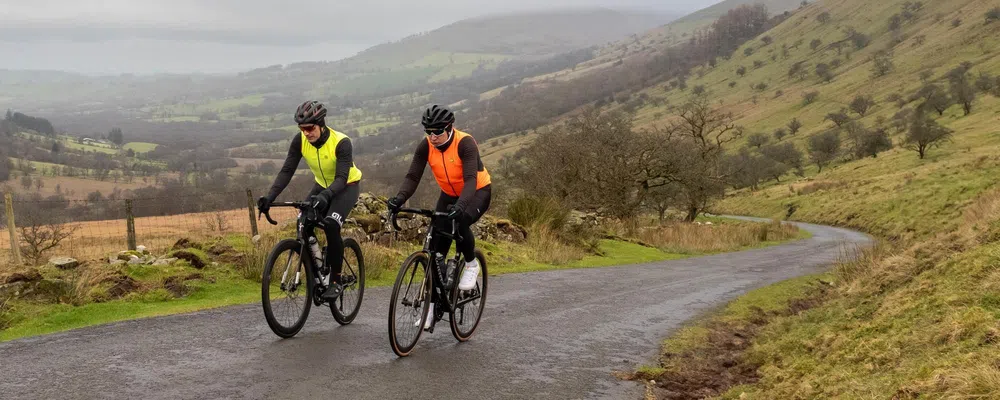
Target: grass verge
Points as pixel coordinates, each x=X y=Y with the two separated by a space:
x=227 y=285
x=902 y=321
x=705 y=357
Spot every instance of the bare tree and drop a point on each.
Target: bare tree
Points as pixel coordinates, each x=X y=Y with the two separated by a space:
x=216 y=222
x=702 y=132
x=881 y=63
x=861 y=104
x=824 y=147
x=824 y=72
x=745 y=168
x=961 y=88
x=780 y=134
x=867 y=141
x=564 y=164
x=992 y=15
x=934 y=98
x=798 y=70
x=858 y=39
x=757 y=140
x=793 y=126
x=924 y=134
x=901 y=120
x=839 y=118
x=985 y=83
x=787 y=154
x=809 y=97
x=662 y=198
x=41 y=232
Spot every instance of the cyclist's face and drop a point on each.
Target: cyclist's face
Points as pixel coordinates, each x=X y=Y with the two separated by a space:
x=312 y=132
x=438 y=136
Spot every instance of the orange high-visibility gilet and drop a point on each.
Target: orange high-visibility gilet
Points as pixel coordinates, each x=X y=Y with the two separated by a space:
x=447 y=167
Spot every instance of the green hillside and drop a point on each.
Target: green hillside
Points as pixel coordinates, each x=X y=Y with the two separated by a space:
x=707 y=15
x=915 y=318
x=675 y=32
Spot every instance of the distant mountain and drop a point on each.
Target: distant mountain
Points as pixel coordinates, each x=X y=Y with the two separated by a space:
x=454 y=51
x=17 y=77
x=513 y=35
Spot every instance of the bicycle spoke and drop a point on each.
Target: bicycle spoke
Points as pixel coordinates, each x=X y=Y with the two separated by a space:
x=285 y=307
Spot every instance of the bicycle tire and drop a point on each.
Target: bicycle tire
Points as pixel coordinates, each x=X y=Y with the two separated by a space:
x=279 y=329
x=461 y=333
x=339 y=312
x=416 y=260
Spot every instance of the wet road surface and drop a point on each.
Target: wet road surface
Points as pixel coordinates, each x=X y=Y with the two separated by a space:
x=553 y=335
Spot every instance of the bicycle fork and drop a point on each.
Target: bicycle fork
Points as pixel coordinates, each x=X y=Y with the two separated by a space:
x=284 y=277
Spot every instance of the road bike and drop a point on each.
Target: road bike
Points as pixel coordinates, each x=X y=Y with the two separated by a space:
x=425 y=277
x=306 y=272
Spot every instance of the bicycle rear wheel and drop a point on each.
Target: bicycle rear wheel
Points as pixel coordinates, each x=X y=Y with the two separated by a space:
x=467 y=305
x=285 y=274
x=345 y=308
x=411 y=295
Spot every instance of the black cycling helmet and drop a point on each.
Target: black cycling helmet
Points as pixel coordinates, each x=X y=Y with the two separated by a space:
x=438 y=117
x=310 y=112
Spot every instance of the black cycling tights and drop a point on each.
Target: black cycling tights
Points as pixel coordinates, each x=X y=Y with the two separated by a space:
x=340 y=207
x=470 y=215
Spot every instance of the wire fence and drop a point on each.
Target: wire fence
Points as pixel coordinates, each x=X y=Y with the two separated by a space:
x=99 y=228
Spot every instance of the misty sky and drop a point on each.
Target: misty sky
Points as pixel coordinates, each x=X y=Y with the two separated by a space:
x=145 y=36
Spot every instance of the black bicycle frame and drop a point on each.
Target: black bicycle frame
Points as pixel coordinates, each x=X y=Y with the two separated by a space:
x=306 y=224
x=438 y=271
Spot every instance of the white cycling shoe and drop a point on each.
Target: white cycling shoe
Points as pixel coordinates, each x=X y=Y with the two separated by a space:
x=430 y=314
x=469 y=275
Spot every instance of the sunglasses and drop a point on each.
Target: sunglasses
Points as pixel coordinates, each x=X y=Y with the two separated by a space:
x=436 y=132
x=308 y=128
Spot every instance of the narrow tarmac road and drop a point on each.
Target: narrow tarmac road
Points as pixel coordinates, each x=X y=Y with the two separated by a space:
x=551 y=335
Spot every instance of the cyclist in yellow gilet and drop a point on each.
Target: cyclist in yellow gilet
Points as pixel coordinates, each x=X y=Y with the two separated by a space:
x=330 y=158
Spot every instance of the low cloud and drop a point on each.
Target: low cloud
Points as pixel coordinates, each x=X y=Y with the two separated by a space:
x=195 y=35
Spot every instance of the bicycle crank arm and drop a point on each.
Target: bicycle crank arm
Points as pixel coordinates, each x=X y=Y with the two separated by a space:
x=467 y=300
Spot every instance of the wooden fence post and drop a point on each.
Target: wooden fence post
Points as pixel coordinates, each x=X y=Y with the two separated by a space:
x=15 y=247
x=250 y=205
x=130 y=224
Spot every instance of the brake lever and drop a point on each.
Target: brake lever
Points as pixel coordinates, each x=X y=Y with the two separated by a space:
x=392 y=220
x=267 y=215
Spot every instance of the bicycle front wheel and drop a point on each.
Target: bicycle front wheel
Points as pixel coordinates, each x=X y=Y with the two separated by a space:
x=286 y=289
x=467 y=305
x=346 y=307
x=411 y=295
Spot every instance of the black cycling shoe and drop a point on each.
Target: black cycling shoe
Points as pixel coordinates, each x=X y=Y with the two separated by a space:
x=332 y=292
x=348 y=280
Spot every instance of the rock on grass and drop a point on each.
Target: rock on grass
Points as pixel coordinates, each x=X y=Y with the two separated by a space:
x=29 y=276
x=123 y=285
x=185 y=243
x=64 y=262
x=175 y=285
x=191 y=257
